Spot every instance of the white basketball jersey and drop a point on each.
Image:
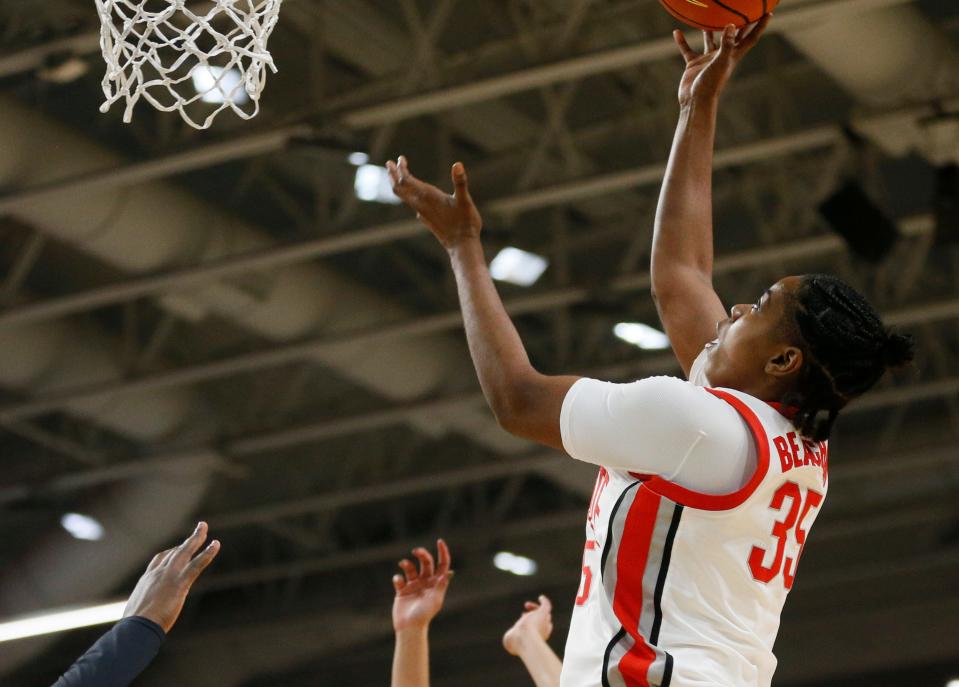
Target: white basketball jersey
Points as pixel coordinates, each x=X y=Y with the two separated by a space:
x=683 y=589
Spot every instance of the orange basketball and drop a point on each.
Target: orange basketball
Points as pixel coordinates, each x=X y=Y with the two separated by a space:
x=714 y=15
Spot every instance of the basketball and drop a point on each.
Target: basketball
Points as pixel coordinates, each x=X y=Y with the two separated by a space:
x=714 y=15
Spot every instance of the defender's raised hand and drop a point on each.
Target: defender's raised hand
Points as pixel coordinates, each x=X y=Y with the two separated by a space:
x=536 y=622
x=161 y=592
x=420 y=593
x=707 y=72
x=451 y=218
x=527 y=640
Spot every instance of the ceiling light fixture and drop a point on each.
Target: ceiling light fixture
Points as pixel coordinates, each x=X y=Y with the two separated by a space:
x=51 y=622
x=641 y=335
x=218 y=85
x=358 y=158
x=512 y=563
x=82 y=526
x=372 y=184
x=517 y=266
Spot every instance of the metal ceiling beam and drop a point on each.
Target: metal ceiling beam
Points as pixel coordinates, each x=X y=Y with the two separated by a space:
x=573 y=521
x=173 y=463
x=570 y=520
x=281 y=355
x=393 y=231
x=219 y=153
x=285 y=438
x=435 y=481
x=844 y=470
x=331 y=428
x=574 y=69
x=289 y=254
x=907 y=394
x=151 y=170
x=613 y=182
x=385 y=552
x=36 y=57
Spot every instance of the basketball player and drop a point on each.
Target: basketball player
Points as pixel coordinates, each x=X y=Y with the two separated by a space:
x=707 y=489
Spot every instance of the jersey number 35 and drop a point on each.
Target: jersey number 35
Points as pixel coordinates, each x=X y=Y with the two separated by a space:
x=793 y=522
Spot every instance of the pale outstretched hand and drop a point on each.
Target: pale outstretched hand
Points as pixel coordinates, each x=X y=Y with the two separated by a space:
x=420 y=593
x=161 y=592
x=707 y=72
x=536 y=621
x=451 y=218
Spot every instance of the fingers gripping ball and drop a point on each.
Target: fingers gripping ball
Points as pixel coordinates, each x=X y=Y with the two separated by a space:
x=713 y=15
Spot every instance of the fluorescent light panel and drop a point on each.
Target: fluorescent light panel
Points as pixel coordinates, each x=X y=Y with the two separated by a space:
x=518 y=266
x=218 y=85
x=358 y=158
x=52 y=622
x=512 y=563
x=82 y=526
x=372 y=184
x=641 y=335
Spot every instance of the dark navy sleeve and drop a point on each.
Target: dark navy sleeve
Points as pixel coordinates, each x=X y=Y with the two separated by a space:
x=118 y=657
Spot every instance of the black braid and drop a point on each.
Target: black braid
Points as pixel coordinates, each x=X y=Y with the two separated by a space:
x=846 y=350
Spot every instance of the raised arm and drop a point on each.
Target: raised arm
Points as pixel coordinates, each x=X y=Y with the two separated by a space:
x=527 y=640
x=682 y=255
x=124 y=652
x=525 y=402
x=419 y=597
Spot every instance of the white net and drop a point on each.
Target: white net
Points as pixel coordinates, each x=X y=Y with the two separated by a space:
x=197 y=62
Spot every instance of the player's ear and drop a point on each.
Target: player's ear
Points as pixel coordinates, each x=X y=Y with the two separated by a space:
x=786 y=362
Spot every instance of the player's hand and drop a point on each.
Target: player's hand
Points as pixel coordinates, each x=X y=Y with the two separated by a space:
x=161 y=592
x=708 y=72
x=536 y=621
x=451 y=218
x=420 y=593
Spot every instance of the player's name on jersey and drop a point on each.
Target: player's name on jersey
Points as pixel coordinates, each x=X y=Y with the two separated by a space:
x=796 y=452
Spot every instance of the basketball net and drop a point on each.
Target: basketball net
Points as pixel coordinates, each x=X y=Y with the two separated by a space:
x=174 y=57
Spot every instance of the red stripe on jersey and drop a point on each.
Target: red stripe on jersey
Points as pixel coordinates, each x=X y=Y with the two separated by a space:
x=631 y=561
x=696 y=499
x=642 y=477
x=788 y=412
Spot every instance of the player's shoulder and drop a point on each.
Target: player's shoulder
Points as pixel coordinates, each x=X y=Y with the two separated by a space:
x=659 y=404
x=688 y=407
x=767 y=422
x=683 y=391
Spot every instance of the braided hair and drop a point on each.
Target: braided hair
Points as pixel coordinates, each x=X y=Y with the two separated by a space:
x=846 y=349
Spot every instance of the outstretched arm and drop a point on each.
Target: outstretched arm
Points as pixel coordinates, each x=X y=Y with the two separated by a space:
x=419 y=597
x=527 y=640
x=525 y=402
x=130 y=646
x=682 y=256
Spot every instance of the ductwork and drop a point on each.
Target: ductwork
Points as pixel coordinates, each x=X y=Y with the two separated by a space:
x=138 y=516
x=888 y=58
x=49 y=356
x=157 y=226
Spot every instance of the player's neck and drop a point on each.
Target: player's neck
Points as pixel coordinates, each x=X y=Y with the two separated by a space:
x=766 y=388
